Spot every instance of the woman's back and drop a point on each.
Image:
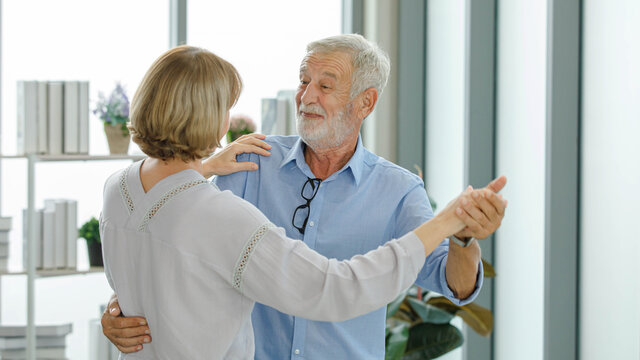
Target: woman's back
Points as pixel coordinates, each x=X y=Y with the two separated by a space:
x=162 y=263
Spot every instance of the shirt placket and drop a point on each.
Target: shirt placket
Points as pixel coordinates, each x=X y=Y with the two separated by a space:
x=309 y=238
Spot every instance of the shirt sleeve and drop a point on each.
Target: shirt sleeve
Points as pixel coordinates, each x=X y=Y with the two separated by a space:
x=290 y=277
x=414 y=210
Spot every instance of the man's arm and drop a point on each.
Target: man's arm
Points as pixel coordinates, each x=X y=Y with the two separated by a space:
x=128 y=334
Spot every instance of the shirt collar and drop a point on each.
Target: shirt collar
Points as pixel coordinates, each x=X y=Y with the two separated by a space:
x=355 y=164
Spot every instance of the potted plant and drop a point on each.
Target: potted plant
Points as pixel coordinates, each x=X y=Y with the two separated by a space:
x=90 y=231
x=238 y=126
x=114 y=113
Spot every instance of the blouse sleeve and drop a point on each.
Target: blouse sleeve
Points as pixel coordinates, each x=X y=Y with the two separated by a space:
x=287 y=275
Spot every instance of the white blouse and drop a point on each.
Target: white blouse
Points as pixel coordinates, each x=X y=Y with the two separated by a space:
x=193 y=260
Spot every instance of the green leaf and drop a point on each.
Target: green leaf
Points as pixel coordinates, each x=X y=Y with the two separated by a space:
x=480 y=319
x=397 y=342
x=395 y=304
x=428 y=313
x=428 y=341
x=489 y=271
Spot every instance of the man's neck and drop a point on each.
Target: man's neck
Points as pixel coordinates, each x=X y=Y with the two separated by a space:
x=324 y=162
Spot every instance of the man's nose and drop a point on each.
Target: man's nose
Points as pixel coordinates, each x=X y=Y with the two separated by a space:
x=310 y=94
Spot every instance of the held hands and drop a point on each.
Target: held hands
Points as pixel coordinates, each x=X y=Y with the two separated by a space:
x=224 y=162
x=476 y=213
x=484 y=213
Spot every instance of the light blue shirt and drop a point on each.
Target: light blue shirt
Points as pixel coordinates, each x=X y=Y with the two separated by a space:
x=360 y=207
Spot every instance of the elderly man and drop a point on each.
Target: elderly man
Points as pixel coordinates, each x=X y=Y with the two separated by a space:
x=327 y=190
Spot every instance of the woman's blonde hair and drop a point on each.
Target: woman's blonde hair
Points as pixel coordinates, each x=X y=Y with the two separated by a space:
x=179 y=109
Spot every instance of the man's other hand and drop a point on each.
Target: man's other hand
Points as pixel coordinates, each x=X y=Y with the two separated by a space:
x=128 y=334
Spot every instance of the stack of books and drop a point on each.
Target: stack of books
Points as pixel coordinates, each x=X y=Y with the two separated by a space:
x=56 y=228
x=53 y=117
x=5 y=227
x=50 y=342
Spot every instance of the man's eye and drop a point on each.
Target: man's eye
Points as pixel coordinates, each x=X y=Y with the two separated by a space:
x=325 y=87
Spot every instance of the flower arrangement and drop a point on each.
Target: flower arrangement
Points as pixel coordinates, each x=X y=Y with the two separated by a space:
x=114 y=110
x=240 y=125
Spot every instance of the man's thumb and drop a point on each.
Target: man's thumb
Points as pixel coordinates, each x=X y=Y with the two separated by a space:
x=497 y=184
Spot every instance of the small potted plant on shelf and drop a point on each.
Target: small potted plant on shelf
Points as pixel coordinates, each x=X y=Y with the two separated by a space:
x=114 y=112
x=90 y=231
x=238 y=126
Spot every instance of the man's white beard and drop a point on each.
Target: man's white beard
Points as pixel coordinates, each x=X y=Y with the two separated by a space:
x=327 y=133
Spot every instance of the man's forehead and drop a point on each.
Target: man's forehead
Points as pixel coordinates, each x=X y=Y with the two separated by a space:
x=331 y=63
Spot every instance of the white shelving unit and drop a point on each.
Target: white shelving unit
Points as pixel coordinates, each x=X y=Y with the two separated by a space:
x=30 y=270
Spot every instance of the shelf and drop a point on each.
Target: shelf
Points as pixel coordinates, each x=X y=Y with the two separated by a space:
x=58 y=272
x=76 y=157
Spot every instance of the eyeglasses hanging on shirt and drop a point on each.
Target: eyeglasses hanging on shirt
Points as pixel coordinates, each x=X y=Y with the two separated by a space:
x=308 y=192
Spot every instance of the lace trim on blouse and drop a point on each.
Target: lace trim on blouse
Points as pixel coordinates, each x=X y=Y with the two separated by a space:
x=249 y=247
x=124 y=190
x=165 y=198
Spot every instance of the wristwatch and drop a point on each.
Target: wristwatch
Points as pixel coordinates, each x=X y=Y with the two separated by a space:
x=464 y=242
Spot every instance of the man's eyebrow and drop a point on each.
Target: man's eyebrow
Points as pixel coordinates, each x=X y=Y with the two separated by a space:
x=330 y=74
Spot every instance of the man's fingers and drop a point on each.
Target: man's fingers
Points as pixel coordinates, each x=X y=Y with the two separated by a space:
x=482 y=198
x=124 y=322
x=131 y=341
x=496 y=201
x=470 y=207
x=497 y=184
x=129 y=333
x=473 y=226
x=129 y=349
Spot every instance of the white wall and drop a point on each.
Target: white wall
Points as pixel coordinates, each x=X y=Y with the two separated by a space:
x=444 y=175
x=610 y=286
x=520 y=112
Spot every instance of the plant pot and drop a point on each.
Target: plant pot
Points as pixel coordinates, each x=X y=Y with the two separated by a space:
x=95 y=254
x=118 y=143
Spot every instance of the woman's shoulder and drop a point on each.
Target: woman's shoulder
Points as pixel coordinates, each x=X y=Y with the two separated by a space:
x=229 y=208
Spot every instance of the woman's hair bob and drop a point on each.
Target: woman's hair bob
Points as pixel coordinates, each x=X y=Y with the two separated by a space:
x=180 y=109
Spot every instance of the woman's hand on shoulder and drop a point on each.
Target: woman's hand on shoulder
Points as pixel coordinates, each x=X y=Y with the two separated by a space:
x=224 y=162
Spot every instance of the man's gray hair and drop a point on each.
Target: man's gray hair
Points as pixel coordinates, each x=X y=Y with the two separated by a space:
x=371 y=64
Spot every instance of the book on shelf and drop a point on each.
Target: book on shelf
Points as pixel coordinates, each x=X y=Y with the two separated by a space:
x=274 y=116
x=42 y=353
x=71 y=117
x=48 y=239
x=71 y=233
x=289 y=97
x=27 y=117
x=83 y=129
x=5 y=223
x=20 y=342
x=37 y=218
x=4 y=249
x=55 y=102
x=41 y=330
x=42 y=121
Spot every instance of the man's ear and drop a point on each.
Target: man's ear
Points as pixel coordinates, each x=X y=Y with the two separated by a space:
x=368 y=101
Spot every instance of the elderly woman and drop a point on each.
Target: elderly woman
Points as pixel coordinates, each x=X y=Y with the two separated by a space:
x=193 y=260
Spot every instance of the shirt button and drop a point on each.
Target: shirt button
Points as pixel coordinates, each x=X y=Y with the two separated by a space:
x=297 y=352
x=311 y=223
